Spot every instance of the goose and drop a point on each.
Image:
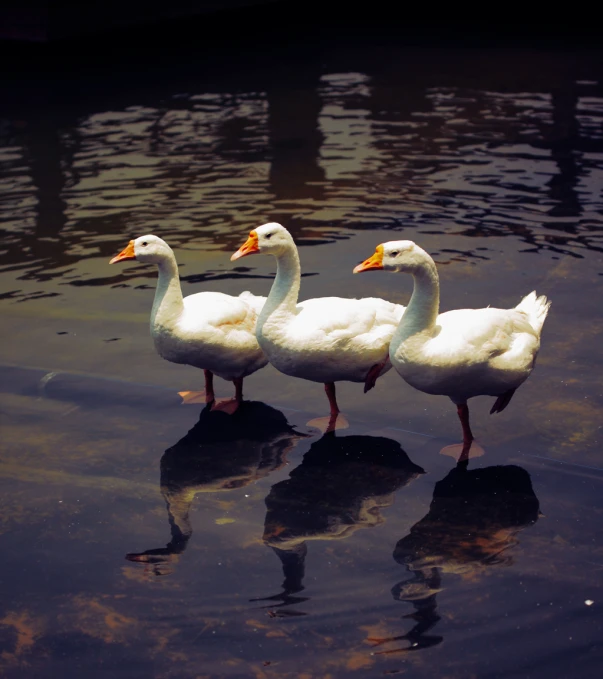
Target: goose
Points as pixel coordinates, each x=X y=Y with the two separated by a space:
x=461 y=353
x=208 y=330
x=328 y=339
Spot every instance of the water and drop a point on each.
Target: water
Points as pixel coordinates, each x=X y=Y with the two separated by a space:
x=142 y=537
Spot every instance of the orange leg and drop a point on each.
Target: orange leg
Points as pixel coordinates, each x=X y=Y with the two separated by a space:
x=238 y=382
x=209 y=386
x=468 y=448
x=335 y=420
x=230 y=405
x=463 y=412
x=330 y=389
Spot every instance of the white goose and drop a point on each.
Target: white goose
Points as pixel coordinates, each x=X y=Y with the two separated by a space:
x=461 y=353
x=323 y=340
x=208 y=330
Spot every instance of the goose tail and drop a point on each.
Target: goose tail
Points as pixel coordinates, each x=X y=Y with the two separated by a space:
x=536 y=309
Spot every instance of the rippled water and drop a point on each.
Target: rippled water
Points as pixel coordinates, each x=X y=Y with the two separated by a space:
x=255 y=547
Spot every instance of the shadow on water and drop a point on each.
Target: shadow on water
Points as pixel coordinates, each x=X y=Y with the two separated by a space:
x=341 y=486
x=220 y=453
x=472 y=522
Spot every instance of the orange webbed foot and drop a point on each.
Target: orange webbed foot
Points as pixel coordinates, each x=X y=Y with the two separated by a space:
x=329 y=424
x=226 y=405
x=195 y=397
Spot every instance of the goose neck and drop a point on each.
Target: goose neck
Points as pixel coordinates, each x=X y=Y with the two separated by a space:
x=168 y=303
x=424 y=305
x=284 y=293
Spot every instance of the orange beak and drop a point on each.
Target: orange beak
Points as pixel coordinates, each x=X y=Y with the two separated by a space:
x=126 y=253
x=248 y=248
x=373 y=262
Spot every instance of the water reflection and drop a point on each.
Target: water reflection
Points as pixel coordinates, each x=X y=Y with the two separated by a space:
x=471 y=525
x=295 y=141
x=491 y=160
x=220 y=453
x=314 y=148
x=483 y=154
x=342 y=485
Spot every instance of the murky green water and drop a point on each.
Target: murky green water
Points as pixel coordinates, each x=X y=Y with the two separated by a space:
x=141 y=537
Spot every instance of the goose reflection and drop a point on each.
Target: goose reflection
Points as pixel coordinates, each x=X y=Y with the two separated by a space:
x=472 y=523
x=220 y=453
x=341 y=485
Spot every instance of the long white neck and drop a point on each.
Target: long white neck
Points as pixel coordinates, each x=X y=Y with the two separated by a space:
x=420 y=316
x=168 y=304
x=282 y=299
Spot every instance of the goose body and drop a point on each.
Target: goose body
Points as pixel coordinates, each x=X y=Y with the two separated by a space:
x=328 y=339
x=471 y=352
x=213 y=331
x=208 y=330
x=461 y=353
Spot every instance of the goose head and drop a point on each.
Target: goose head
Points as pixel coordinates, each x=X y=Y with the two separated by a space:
x=147 y=249
x=402 y=256
x=268 y=239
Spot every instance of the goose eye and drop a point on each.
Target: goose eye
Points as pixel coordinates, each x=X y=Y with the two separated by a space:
x=395 y=254
x=145 y=243
x=268 y=236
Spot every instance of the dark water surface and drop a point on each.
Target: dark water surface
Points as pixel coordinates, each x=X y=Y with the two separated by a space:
x=255 y=546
